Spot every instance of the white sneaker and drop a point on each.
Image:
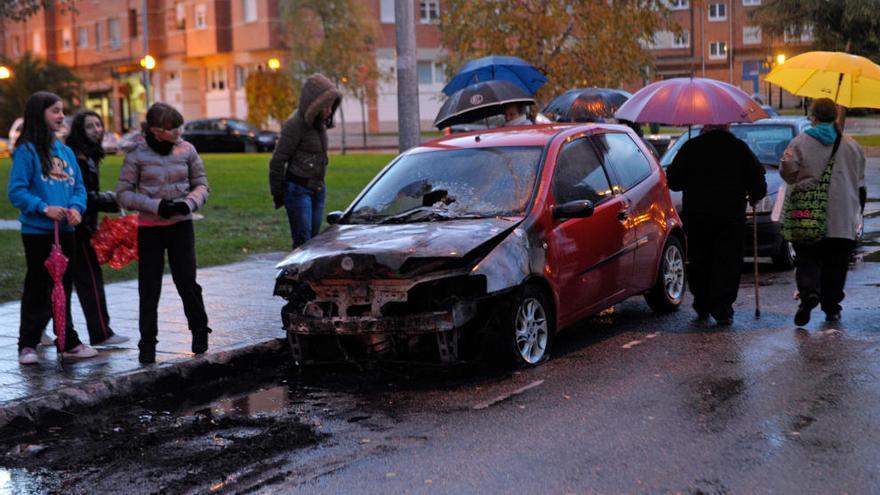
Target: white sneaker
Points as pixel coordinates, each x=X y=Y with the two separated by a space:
x=114 y=339
x=81 y=351
x=47 y=339
x=27 y=356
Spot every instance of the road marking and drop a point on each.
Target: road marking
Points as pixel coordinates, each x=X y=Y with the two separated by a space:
x=484 y=405
x=631 y=344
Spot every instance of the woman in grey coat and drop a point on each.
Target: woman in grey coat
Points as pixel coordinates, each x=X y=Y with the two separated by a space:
x=821 y=266
x=164 y=179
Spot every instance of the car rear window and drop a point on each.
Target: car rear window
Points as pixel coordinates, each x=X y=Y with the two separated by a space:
x=625 y=158
x=474 y=182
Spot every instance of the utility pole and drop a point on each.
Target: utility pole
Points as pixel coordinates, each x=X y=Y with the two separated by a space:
x=145 y=35
x=408 y=124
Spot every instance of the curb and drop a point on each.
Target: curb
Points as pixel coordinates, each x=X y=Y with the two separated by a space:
x=94 y=392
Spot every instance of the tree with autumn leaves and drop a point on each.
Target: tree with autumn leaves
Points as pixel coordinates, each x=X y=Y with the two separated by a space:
x=336 y=38
x=575 y=43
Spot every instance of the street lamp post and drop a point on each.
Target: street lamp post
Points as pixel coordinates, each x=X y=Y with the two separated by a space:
x=148 y=63
x=780 y=59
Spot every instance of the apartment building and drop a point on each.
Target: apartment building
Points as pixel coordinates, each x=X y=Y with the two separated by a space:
x=204 y=50
x=719 y=41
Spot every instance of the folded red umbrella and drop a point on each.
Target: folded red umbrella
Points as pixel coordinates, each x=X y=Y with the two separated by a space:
x=56 y=265
x=115 y=241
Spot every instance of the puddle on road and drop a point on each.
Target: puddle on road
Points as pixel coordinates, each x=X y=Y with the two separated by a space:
x=265 y=402
x=21 y=482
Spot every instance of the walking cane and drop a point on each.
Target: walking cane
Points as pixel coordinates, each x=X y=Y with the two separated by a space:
x=755 y=258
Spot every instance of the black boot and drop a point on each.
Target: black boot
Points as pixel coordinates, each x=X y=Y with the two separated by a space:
x=200 y=340
x=147 y=354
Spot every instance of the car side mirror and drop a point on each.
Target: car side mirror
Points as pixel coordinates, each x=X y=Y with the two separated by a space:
x=334 y=217
x=581 y=208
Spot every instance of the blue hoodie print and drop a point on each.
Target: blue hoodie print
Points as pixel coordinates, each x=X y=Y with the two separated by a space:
x=31 y=192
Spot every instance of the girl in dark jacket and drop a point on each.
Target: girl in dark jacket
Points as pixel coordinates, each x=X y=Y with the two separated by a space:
x=86 y=134
x=298 y=166
x=45 y=184
x=164 y=179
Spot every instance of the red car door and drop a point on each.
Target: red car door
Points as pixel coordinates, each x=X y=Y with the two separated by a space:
x=587 y=257
x=632 y=174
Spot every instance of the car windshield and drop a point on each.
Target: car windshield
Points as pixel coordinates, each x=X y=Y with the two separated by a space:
x=767 y=141
x=242 y=126
x=449 y=184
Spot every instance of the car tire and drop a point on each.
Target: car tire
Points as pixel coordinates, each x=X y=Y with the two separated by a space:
x=784 y=258
x=528 y=327
x=668 y=290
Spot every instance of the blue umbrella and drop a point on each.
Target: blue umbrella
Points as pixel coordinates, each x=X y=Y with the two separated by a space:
x=496 y=67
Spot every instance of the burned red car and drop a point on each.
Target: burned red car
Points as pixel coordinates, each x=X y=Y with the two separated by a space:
x=488 y=241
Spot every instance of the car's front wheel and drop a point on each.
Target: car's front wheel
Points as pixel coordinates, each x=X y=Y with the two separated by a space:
x=668 y=291
x=529 y=326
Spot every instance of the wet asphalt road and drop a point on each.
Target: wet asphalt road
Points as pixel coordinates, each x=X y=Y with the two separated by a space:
x=630 y=403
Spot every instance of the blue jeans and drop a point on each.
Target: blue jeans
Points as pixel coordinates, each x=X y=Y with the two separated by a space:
x=305 y=211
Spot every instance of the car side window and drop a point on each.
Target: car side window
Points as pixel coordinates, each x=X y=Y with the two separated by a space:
x=624 y=157
x=579 y=174
x=219 y=125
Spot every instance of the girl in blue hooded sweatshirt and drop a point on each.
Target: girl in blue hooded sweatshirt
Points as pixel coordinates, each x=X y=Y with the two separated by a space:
x=46 y=185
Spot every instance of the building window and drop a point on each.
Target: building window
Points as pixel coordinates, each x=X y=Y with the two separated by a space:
x=217 y=79
x=180 y=16
x=132 y=23
x=82 y=37
x=752 y=35
x=678 y=4
x=430 y=72
x=429 y=11
x=37 y=42
x=717 y=12
x=201 y=16
x=717 y=49
x=386 y=11
x=682 y=39
x=750 y=3
x=98 y=37
x=113 y=34
x=66 y=41
x=250 y=10
x=793 y=35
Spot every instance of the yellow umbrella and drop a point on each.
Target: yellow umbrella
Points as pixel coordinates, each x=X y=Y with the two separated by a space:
x=849 y=80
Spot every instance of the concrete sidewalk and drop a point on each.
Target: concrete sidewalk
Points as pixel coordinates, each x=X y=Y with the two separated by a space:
x=243 y=314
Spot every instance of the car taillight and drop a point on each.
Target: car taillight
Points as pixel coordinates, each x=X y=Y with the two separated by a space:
x=770 y=204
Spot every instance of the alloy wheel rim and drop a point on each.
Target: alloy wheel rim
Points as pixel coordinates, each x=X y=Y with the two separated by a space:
x=673 y=273
x=532 y=331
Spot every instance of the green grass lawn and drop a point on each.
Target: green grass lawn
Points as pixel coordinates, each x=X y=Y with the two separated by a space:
x=239 y=217
x=868 y=139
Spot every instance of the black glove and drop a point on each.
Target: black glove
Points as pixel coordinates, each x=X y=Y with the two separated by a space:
x=106 y=202
x=166 y=208
x=182 y=208
x=278 y=200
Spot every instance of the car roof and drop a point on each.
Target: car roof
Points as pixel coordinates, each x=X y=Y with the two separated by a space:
x=527 y=135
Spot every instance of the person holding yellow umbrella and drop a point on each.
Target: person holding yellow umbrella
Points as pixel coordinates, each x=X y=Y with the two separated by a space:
x=826 y=171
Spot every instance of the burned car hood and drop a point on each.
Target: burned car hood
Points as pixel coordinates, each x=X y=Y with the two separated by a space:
x=396 y=250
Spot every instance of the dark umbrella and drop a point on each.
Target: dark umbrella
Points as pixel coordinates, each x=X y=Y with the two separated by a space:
x=56 y=265
x=479 y=101
x=586 y=105
x=497 y=68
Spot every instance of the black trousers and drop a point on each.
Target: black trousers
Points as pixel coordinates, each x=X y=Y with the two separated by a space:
x=715 y=255
x=179 y=241
x=36 y=298
x=820 y=269
x=88 y=280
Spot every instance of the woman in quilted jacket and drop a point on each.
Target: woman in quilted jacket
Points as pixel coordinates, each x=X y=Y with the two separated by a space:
x=164 y=179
